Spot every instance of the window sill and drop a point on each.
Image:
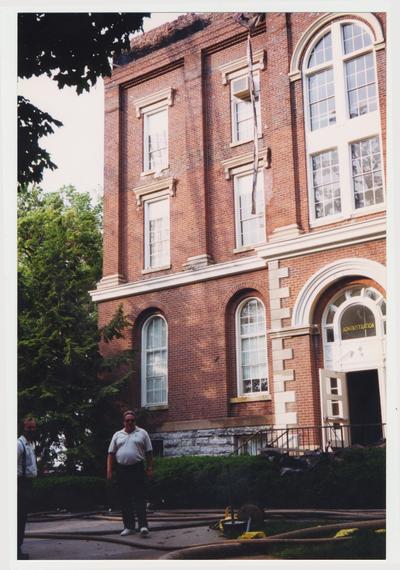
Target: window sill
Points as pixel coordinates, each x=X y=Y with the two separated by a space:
x=155 y=269
x=251 y=398
x=327 y=221
x=367 y=211
x=348 y=216
x=238 y=143
x=243 y=248
x=156 y=407
x=150 y=172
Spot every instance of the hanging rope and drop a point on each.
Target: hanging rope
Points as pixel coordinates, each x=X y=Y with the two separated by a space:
x=250 y=21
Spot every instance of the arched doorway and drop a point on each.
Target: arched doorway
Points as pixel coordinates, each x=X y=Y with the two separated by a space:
x=352 y=383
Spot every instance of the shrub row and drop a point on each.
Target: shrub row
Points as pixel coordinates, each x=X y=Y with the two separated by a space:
x=355 y=479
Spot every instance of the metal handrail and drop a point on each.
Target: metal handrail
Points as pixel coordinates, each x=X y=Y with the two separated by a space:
x=302 y=431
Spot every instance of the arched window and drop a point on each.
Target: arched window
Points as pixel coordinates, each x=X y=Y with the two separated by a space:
x=345 y=173
x=154 y=361
x=358 y=312
x=251 y=347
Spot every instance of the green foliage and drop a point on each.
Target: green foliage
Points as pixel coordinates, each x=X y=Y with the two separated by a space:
x=32 y=125
x=73 y=493
x=59 y=261
x=365 y=545
x=74 y=49
x=355 y=481
x=203 y=481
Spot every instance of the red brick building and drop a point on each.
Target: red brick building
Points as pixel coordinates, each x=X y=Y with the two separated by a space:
x=247 y=319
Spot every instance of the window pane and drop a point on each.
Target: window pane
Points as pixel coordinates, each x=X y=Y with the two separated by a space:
x=325 y=174
x=355 y=37
x=156 y=140
x=322 y=52
x=242 y=113
x=367 y=172
x=361 y=88
x=357 y=322
x=157 y=233
x=321 y=93
x=253 y=351
x=251 y=226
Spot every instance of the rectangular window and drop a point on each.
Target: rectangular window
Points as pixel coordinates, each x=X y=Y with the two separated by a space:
x=156 y=140
x=321 y=93
x=242 y=108
x=157 y=233
x=325 y=176
x=367 y=172
x=361 y=88
x=250 y=228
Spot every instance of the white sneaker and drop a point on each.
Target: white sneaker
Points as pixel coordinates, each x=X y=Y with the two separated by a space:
x=127 y=531
x=144 y=531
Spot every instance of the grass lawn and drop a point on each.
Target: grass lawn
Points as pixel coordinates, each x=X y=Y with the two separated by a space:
x=364 y=545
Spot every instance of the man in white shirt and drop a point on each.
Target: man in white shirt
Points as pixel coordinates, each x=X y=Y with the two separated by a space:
x=131 y=447
x=27 y=471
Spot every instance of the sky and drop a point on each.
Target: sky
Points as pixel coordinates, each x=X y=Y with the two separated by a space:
x=76 y=147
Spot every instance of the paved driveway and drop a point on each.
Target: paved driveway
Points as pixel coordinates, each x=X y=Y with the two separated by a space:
x=99 y=539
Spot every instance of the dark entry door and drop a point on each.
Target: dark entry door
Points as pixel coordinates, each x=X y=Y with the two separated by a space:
x=364 y=407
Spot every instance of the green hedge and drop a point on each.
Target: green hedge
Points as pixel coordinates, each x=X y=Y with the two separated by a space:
x=355 y=479
x=73 y=493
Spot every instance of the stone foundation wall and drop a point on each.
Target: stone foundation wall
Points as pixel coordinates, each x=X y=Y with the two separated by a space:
x=218 y=441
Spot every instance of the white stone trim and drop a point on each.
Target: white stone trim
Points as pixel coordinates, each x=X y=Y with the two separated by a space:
x=289 y=332
x=163 y=187
x=197 y=262
x=244 y=163
x=233 y=68
x=111 y=281
x=262 y=397
x=154 y=269
x=285 y=232
x=280 y=355
x=284 y=419
x=239 y=266
x=318 y=24
x=154 y=101
x=312 y=242
x=322 y=279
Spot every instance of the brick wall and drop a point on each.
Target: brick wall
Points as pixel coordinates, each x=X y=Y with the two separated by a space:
x=200 y=316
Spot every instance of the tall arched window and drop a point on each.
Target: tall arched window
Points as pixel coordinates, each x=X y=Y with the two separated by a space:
x=345 y=172
x=154 y=361
x=251 y=347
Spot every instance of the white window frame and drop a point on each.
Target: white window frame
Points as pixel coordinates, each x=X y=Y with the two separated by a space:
x=162 y=197
x=260 y=192
x=234 y=138
x=345 y=131
x=147 y=167
x=361 y=299
x=236 y=69
x=144 y=350
x=146 y=106
x=238 y=339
